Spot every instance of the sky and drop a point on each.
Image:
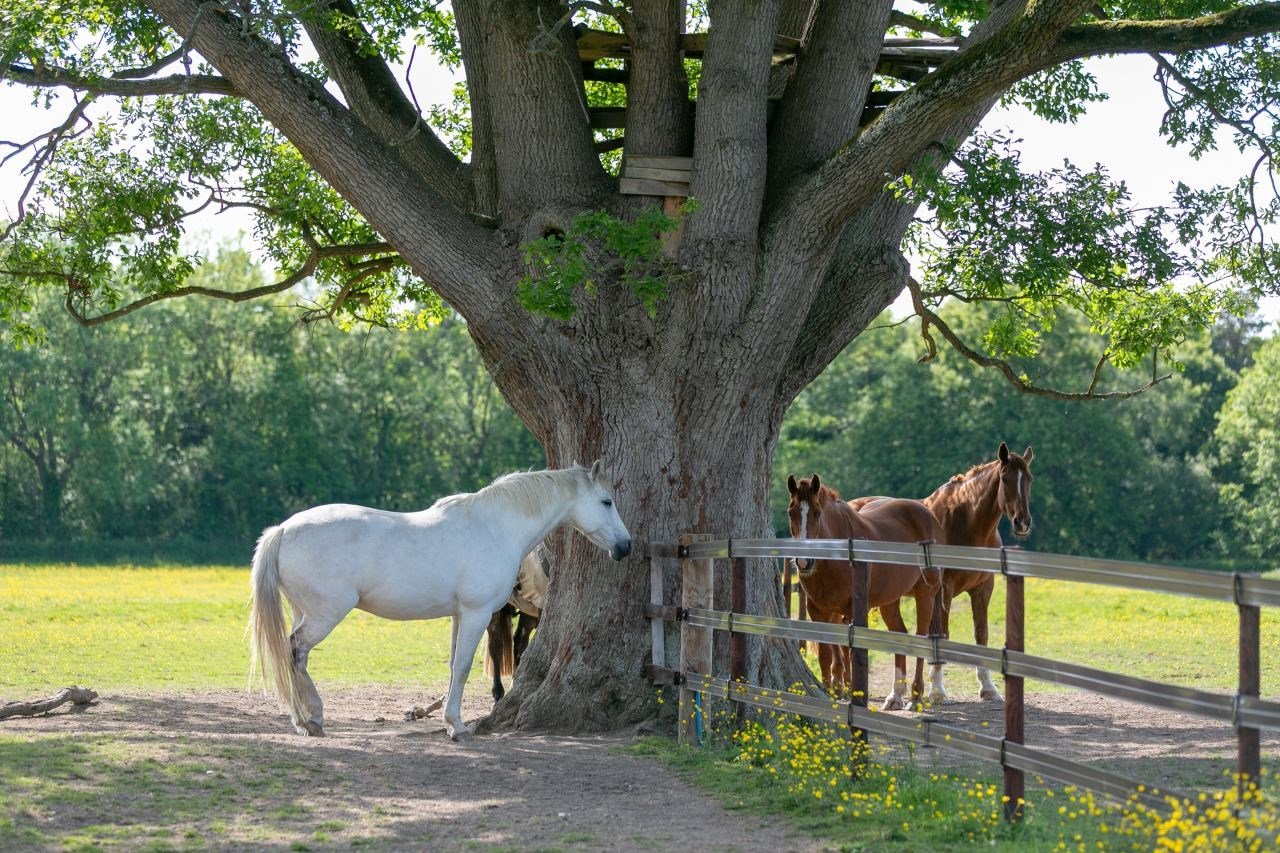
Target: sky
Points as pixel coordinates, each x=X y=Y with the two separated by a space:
x=1120 y=133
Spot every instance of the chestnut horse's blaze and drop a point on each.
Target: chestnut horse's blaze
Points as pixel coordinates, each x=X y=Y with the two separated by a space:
x=817 y=512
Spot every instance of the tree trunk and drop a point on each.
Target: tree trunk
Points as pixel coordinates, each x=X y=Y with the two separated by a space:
x=682 y=458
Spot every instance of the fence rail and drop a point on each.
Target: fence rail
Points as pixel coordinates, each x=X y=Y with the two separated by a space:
x=1246 y=711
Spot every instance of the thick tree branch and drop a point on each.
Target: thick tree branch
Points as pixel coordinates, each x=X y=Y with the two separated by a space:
x=74 y=695
x=1110 y=37
x=374 y=95
x=438 y=242
x=659 y=119
x=929 y=319
x=472 y=18
x=824 y=100
x=174 y=84
x=920 y=25
x=730 y=149
x=76 y=291
x=541 y=135
x=1008 y=41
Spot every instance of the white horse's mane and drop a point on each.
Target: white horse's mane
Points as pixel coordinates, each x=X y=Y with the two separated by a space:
x=526 y=491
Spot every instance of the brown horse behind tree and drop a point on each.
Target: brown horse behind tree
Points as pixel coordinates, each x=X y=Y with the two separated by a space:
x=968 y=508
x=817 y=512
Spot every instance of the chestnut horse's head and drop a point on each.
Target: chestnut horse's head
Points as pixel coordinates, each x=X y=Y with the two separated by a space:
x=1015 y=488
x=808 y=498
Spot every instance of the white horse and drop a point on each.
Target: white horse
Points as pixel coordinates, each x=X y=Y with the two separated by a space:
x=456 y=558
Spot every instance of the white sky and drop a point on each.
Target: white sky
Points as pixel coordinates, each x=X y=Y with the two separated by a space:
x=1120 y=133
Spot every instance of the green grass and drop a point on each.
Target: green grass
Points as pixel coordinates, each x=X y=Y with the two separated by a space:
x=122 y=627
x=908 y=808
x=152 y=792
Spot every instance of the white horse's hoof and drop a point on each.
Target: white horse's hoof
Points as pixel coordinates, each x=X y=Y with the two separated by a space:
x=895 y=703
x=991 y=696
x=463 y=734
x=310 y=728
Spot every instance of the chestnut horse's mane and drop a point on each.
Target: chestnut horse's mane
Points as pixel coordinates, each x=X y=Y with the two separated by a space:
x=960 y=478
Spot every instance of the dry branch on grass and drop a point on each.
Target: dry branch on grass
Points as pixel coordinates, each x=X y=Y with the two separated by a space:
x=74 y=695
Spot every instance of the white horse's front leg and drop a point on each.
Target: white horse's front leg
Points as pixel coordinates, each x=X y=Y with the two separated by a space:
x=468 y=628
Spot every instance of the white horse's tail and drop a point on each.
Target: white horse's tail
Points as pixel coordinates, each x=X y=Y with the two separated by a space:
x=270 y=652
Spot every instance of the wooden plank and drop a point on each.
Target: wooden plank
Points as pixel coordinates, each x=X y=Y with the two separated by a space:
x=858 y=658
x=657 y=600
x=695 y=45
x=649 y=161
x=608 y=118
x=610 y=144
x=678 y=176
x=738 y=604
x=631 y=186
x=672 y=206
x=697 y=584
x=599 y=44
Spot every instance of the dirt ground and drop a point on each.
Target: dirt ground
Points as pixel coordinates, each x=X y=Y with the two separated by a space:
x=379 y=780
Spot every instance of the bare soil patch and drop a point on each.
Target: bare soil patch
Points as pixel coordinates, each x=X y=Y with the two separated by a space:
x=391 y=784
x=378 y=780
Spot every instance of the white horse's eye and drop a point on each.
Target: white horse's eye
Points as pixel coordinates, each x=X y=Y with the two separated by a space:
x=607 y=501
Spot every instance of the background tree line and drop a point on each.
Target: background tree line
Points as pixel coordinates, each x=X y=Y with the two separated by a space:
x=202 y=423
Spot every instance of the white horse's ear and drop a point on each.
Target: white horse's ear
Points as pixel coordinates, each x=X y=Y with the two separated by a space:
x=597 y=471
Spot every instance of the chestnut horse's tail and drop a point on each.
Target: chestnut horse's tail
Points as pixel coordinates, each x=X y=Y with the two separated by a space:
x=501 y=637
x=270 y=651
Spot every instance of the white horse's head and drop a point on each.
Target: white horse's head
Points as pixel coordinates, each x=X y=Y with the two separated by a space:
x=594 y=515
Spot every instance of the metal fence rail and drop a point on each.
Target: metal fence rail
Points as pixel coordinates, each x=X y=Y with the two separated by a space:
x=1246 y=711
x=1233 y=588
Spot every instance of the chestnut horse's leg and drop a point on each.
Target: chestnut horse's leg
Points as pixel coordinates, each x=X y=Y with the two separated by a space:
x=897 y=700
x=827 y=653
x=937 y=693
x=925 y=596
x=980 y=601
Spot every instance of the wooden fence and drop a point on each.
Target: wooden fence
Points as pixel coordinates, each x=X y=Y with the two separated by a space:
x=1245 y=711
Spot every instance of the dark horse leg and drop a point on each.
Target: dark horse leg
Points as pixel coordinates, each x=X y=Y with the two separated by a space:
x=499 y=654
x=525 y=626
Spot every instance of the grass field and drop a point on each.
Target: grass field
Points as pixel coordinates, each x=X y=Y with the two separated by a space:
x=126 y=627
x=121 y=628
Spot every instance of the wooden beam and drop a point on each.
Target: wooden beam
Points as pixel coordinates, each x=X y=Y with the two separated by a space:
x=635 y=186
x=677 y=176
x=646 y=161
x=608 y=118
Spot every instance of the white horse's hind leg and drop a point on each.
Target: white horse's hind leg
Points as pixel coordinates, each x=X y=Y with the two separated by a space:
x=468 y=627
x=307 y=634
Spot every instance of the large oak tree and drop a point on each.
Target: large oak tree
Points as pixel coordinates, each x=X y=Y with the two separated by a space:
x=818 y=131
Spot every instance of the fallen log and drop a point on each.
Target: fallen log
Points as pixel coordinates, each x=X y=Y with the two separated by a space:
x=74 y=695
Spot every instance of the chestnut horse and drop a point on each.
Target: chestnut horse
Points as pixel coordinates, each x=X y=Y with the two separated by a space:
x=817 y=512
x=968 y=508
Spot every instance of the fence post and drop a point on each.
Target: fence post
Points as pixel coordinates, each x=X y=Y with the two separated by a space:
x=1249 y=745
x=657 y=627
x=737 y=640
x=696 y=587
x=1014 y=732
x=786 y=587
x=858 y=660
